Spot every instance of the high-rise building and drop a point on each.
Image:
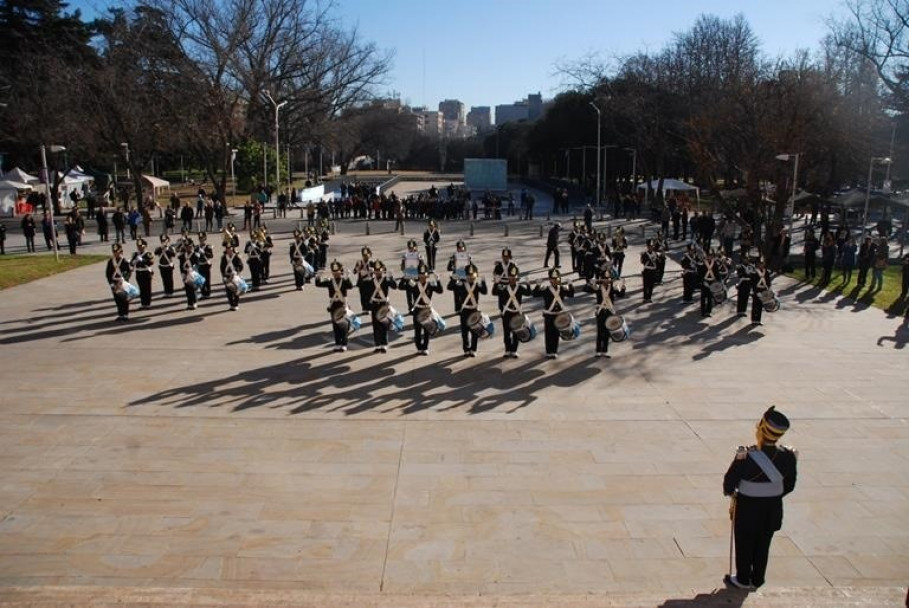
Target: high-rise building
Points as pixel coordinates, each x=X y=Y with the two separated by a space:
x=531 y=108
x=480 y=118
x=452 y=109
x=433 y=122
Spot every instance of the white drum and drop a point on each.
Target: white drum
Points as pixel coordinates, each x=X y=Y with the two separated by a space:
x=617 y=328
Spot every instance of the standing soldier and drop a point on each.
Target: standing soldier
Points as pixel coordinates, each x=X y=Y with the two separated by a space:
x=743 y=289
x=510 y=294
x=707 y=273
x=467 y=299
x=231 y=267
x=189 y=261
x=431 y=238
x=253 y=252
x=758 y=478
x=552 y=245
x=552 y=296
x=266 y=244
x=760 y=281
x=605 y=308
x=411 y=260
x=143 y=265
x=689 y=265
x=338 y=285
x=502 y=270
x=298 y=252
x=619 y=245
x=165 y=255
x=363 y=269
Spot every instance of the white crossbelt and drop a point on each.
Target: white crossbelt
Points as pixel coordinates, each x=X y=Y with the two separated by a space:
x=378 y=292
x=423 y=300
x=337 y=296
x=606 y=303
x=556 y=300
x=512 y=305
x=470 y=301
x=762 y=280
x=763 y=489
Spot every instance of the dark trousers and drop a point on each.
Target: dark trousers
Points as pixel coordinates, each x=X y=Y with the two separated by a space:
x=602 y=332
x=551 y=251
x=689 y=283
x=828 y=272
x=660 y=269
x=431 y=257
x=233 y=297
x=122 y=305
x=744 y=292
x=757 y=308
x=618 y=260
x=167 y=279
x=706 y=299
x=205 y=271
x=299 y=278
x=510 y=340
x=468 y=338
x=190 y=290
x=379 y=331
x=364 y=300
x=340 y=333
x=810 y=267
x=266 y=266
x=420 y=335
x=30 y=244
x=144 y=283
x=551 y=334
x=863 y=273
x=649 y=276
x=755 y=522
x=255 y=272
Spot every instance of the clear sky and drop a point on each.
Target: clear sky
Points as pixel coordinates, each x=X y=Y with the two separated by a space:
x=489 y=52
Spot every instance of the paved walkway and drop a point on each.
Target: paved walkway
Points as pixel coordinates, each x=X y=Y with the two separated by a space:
x=207 y=448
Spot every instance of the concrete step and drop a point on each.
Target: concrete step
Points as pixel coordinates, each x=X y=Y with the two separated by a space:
x=151 y=597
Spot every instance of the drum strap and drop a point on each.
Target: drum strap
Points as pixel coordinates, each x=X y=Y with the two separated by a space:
x=378 y=295
x=230 y=267
x=556 y=305
x=116 y=264
x=470 y=301
x=423 y=300
x=606 y=303
x=297 y=252
x=709 y=276
x=762 y=280
x=336 y=294
x=512 y=305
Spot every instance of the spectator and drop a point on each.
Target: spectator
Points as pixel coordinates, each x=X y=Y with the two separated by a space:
x=848 y=258
x=29 y=229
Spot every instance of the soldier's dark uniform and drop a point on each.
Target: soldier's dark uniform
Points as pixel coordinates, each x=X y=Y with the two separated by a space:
x=758 y=478
x=467 y=297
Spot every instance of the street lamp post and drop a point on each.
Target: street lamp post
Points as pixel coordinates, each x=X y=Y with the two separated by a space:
x=883 y=160
x=125 y=147
x=48 y=205
x=599 y=134
x=634 y=169
x=278 y=107
x=795 y=181
x=233 y=177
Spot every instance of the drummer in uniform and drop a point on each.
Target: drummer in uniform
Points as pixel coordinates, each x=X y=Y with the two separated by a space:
x=254 y=258
x=467 y=297
x=338 y=285
x=297 y=252
x=707 y=273
x=760 y=281
x=431 y=238
x=377 y=287
x=363 y=270
x=743 y=287
x=619 y=245
x=118 y=270
x=457 y=264
x=143 y=265
x=501 y=272
x=205 y=255
x=189 y=261
x=649 y=271
x=758 y=478
x=510 y=294
x=603 y=290
x=419 y=291
x=231 y=266
x=689 y=264
x=552 y=295
x=266 y=244
x=165 y=255
x=410 y=263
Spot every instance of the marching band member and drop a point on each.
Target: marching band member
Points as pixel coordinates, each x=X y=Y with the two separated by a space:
x=420 y=292
x=467 y=297
x=552 y=296
x=189 y=260
x=410 y=263
x=230 y=236
x=253 y=252
x=312 y=246
x=266 y=244
x=689 y=264
x=205 y=254
x=760 y=280
x=659 y=247
x=377 y=287
x=118 y=270
x=298 y=251
x=431 y=238
x=143 y=265
x=598 y=256
x=744 y=287
x=757 y=480
x=457 y=265
x=552 y=245
x=338 y=286
x=510 y=294
x=707 y=273
x=165 y=255
x=322 y=244
x=501 y=272
x=605 y=308
x=231 y=266
x=363 y=270
x=574 y=241
x=619 y=245
x=649 y=262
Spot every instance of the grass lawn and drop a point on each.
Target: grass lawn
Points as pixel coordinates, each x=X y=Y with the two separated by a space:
x=885 y=299
x=19 y=269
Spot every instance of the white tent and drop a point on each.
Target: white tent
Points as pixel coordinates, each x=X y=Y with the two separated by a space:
x=668 y=184
x=18 y=175
x=9 y=196
x=156 y=183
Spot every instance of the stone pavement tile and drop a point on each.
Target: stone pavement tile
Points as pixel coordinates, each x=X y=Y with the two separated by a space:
x=783 y=571
x=881 y=567
x=630 y=548
x=834 y=568
x=677 y=572
x=718 y=546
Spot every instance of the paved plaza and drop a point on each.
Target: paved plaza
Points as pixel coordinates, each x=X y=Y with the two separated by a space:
x=188 y=454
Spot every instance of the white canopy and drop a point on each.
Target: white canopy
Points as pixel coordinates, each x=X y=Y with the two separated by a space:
x=668 y=184
x=9 y=195
x=18 y=175
x=156 y=182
